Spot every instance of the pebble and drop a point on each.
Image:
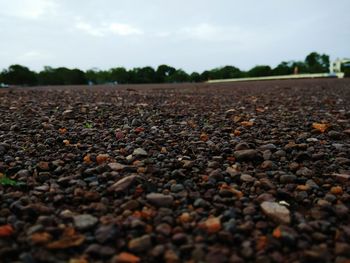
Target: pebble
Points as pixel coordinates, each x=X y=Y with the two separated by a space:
x=175 y=188
x=140 y=152
x=116 y=166
x=335 y=135
x=244 y=155
x=304 y=171
x=84 y=221
x=276 y=212
x=140 y=244
x=160 y=200
x=106 y=233
x=123 y=184
x=343 y=178
x=247 y=178
x=287 y=178
x=101 y=251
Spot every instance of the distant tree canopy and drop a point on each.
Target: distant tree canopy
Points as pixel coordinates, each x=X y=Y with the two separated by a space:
x=260 y=71
x=61 y=76
x=20 y=75
x=317 y=63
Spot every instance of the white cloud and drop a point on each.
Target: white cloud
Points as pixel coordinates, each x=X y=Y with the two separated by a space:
x=162 y=34
x=34 y=55
x=89 y=29
x=124 y=29
x=28 y=9
x=107 y=28
x=213 y=33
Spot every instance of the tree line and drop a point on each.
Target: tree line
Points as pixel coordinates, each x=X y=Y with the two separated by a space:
x=21 y=75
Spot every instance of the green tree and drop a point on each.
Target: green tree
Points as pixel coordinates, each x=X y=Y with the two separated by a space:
x=19 y=75
x=61 y=76
x=205 y=76
x=301 y=66
x=119 y=75
x=142 y=75
x=97 y=76
x=260 y=71
x=179 y=76
x=195 y=77
x=317 y=63
x=229 y=72
x=163 y=73
x=284 y=68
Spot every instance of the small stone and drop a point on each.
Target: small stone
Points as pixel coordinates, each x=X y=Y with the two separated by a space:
x=105 y=233
x=244 y=155
x=171 y=257
x=287 y=178
x=116 y=166
x=157 y=251
x=185 y=217
x=123 y=184
x=342 y=177
x=312 y=139
x=269 y=146
x=67 y=112
x=293 y=166
x=335 y=135
x=102 y=158
x=267 y=164
x=302 y=187
x=231 y=171
x=230 y=111
x=130 y=205
x=304 y=171
x=336 y=190
x=265 y=197
x=199 y=202
x=242 y=146
x=341 y=210
x=23 y=173
x=266 y=183
x=275 y=211
x=247 y=178
x=342 y=249
x=267 y=155
x=44 y=166
x=135 y=122
x=85 y=221
x=342 y=161
x=311 y=183
x=140 y=152
x=160 y=200
x=126 y=257
x=175 y=188
x=164 y=229
x=140 y=244
x=212 y=225
x=179 y=238
x=98 y=250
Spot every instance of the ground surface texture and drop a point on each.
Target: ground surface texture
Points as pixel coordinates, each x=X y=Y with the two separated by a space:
x=243 y=172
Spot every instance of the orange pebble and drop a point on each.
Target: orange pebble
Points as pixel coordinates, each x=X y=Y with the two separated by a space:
x=6 y=230
x=213 y=225
x=336 y=190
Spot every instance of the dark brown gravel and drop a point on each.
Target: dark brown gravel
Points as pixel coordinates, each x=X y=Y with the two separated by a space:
x=234 y=172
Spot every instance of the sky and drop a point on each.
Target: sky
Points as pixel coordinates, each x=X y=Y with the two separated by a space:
x=194 y=35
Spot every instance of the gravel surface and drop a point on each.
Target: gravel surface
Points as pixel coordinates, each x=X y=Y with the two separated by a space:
x=234 y=172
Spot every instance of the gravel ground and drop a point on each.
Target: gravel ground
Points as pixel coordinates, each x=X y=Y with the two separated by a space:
x=243 y=172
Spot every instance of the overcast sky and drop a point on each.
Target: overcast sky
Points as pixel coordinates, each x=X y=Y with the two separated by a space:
x=190 y=34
